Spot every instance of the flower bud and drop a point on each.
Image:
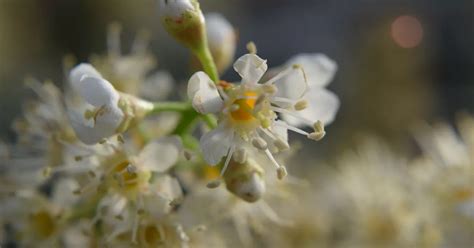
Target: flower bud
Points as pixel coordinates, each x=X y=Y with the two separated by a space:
x=222 y=40
x=184 y=20
x=245 y=180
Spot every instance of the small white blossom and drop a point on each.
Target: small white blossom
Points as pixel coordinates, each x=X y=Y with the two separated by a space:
x=103 y=115
x=248 y=111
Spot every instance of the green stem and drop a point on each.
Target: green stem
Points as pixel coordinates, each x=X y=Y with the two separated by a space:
x=188 y=119
x=210 y=120
x=207 y=62
x=159 y=107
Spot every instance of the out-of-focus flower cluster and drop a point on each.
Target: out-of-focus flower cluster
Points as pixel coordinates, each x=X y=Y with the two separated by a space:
x=111 y=161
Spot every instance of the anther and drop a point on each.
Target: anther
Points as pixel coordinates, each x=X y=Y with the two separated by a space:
x=141 y=211
x=300 y=105
x=91 y=174
x=77 y=158
x=240 y=156
x=317 y=136
x=131 y=169
x=281 y=172
x=281 y=144
x=270 y=89
x=214 y=184
x=188 y=155
x=251 y=47
x=259 y=143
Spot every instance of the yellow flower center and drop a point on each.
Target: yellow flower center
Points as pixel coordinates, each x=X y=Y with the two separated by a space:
x=125 y=177
x=245 y=107
x=152 y=236
x=43 y=224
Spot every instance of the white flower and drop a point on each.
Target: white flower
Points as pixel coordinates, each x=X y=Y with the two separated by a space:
x=248 y=111
x=322 y=104
x=222 y=40
x=103 y=115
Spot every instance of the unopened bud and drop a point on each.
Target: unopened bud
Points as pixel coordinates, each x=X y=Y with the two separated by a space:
x=222 y=40
x=245 y=180
x=184 y=21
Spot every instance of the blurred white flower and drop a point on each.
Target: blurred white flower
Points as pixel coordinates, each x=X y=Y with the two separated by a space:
x=248 y=111
x=103 y=115
x=107 y=112
x=126 y=71
x=321 y=103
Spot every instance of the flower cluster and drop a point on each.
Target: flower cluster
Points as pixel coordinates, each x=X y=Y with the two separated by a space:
x=107 y=161
x=112 y=159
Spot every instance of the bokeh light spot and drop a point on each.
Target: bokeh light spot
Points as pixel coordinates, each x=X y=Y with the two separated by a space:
x=407 y=31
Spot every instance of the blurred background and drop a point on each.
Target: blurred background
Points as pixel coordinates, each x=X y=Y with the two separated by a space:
x=399 y=61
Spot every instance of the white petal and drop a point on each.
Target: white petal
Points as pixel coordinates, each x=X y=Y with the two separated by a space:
x=204 y=95
x=319 y=68
x=104 y=127
x=161 y=154
x=62 y=192
x=322 y=105
x=251 y=68
x=292 y=86
x=97 y=91
x=280 y=131
x=81 y=70
x=215 y=144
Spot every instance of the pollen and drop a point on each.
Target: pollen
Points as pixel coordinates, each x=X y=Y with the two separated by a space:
x=246 y=106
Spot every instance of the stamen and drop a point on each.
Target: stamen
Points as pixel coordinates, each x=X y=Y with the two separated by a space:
x=213 y=184
x=272 y=159
x=240 y=156
x=135 y=228
x=288 y=112
x=270 y=89
x=319 y=132
x=227 y=159
x=281 y=144
x=252 y=48
x=300 y=105
x=291 y=128
x=283 y=99
x=222 y=93
x=259 y=143
x=188 y=155
x=281 y=172
x=278 y=76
